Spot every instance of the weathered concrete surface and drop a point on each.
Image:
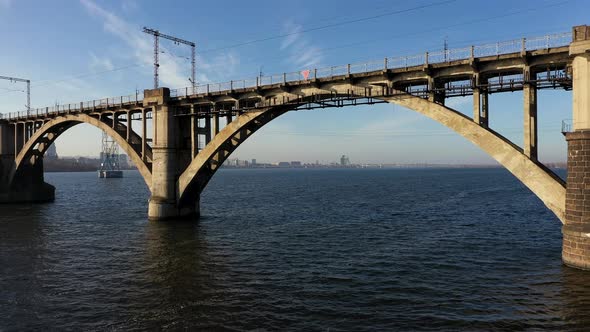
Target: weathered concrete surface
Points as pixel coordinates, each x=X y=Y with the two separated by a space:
x=163 y=202
x=580 y=51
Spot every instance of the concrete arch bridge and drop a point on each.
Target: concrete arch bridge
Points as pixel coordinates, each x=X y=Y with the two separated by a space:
x=188 y=143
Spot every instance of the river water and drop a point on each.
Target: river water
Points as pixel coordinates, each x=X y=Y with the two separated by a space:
x=308 y=250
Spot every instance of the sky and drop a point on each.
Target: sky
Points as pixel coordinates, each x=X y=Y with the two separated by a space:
x=82 y=50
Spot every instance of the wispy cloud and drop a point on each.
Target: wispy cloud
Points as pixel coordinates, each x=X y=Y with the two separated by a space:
x=129 y=5
x=5 y=3
x=174 y=70
x=221 y=67
x=170 y=69
x=98 y=63
x=301 y=52
x=398 y=120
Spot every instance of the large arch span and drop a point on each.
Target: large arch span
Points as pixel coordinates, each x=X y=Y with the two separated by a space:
x=40 y=141
x=534 y=175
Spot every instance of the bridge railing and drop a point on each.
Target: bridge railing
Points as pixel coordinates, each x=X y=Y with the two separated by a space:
x=75 y=107
x=491 y=49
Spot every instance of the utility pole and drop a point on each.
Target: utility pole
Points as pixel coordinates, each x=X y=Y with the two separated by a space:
x=14 y=79
x=157 y=34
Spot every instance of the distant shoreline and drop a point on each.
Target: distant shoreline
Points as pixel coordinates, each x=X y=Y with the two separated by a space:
x=86 y=169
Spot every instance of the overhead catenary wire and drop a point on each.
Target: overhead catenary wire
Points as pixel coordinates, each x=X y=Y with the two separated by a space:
x=337 y=47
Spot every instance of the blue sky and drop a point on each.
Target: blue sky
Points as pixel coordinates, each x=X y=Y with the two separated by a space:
x=83 y=50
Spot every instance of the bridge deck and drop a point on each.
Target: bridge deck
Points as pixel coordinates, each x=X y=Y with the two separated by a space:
x=504 y=66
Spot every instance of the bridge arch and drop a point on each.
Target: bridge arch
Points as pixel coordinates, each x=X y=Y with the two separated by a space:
x=538 y=178
x=40 y=141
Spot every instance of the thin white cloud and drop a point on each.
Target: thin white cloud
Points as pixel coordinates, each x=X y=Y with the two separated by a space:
x=174 y=68
x=98 y=63
x=129 y=5
x=399 y=120
x=293 y=30
x=5 y=3
x=220 y=68
x=301 y=52
x=140 y=43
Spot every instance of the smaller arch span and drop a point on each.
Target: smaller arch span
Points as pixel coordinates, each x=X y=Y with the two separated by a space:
x=36 y=146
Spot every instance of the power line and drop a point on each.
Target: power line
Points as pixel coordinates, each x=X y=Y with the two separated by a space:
x=363 y=42
x=536 y=8
x=327 y=26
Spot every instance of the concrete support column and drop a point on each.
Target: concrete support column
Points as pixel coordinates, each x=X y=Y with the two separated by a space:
x=480 y=107
x=24 y=133
x=477 y=105
x=163 y=203
x=6 y=153
x=128 y=126
x=480 y=101
x=207 y=127
x=143 y=134
x=194 y=133
x=215 y=124
x=576 y=230
x=18 y=138
x=530 y=121
x=436 y=90
x=6 y=139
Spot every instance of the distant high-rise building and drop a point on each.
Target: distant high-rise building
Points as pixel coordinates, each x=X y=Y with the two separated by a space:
x=51 y=152
x=344 y=161
x=123 y=161
x=253 y=162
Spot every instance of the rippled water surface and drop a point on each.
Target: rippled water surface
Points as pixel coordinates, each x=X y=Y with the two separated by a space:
x=292 y=249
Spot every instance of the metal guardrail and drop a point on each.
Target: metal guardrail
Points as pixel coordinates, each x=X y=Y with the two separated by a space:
x=493 y=49
x=566 y=126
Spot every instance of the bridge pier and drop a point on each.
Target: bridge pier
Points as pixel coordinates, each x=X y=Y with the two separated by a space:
x=576 y=230
x=480 y=101
x=29 y=186
x=530 y=121
x=168 y=159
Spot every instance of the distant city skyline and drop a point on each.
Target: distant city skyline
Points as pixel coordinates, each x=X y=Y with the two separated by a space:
x=88 y=50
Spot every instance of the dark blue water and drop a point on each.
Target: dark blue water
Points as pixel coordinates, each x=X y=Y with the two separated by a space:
x=309 y=250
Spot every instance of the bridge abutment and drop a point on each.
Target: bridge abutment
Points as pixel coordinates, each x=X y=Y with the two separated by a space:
x=576 y=230
x=30 y=185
